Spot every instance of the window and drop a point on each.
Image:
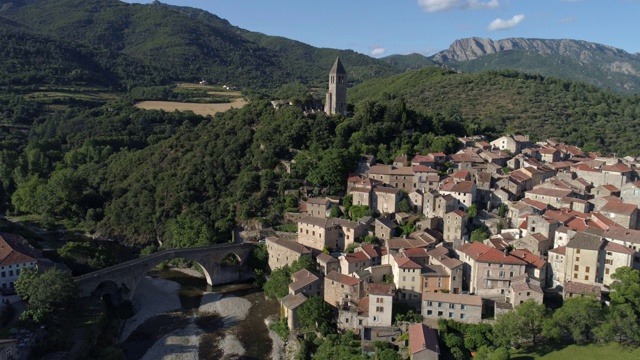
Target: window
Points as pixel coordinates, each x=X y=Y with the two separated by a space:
x=379 y=309
x=439 y=304
x=439 y=313
x=452 y=306
x=577 y=251
x=488 y=272
x=575 y=276
x=587 y=269
x=451 y=315
x=577 y=258
x=576 y=268
x=429 y=303
x=375 y=318
x=500 y=265
x=463 y=316
x=501 y=274
x=606 y=271
x=429 y=312
x=586 y=277
x=511 y=274
x=463 y=307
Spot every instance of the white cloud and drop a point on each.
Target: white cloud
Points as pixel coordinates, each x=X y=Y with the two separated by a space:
x=476 y=4
x=443 y=5
x=438 y=5
x=378 y=51
x=568 y=19
x=501 y=24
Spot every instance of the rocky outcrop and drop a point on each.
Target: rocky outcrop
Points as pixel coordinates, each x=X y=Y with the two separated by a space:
x=583 y=51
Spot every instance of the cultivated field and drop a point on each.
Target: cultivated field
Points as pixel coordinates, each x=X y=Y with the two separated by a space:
x=197 y=108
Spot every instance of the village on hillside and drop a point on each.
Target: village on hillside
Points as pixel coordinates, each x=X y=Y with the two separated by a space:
x=463 y=237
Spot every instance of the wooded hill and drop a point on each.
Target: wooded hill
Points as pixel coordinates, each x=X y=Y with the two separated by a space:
x=183 y=43
x=513 y=102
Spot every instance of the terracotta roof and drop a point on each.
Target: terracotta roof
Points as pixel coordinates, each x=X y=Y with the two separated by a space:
x=342 y=279
x=619 y=208
x=499 y=257
x=584 y=167
x=574 y=287
x=536 y=204
x=624 y=234
x=406 y=263
x=619 y=167
x=585 y=241
x=562 y=250
x=326 y=258
x=422 y=158
x=422 y=168
x=531 y=259
x=15 y=250
x=422 y=338
x=452 y=298
x=610 y=188
x=458 y=212
x=382 y=289
x=559 y=193
x=415 y=252
x=371 y=250
x=474 y=249
x=387 y=190
x=613 y=247
x=293 y=301
x=461 y=187
x=434 y=270
x=355 y=257
x=461 y=174
x=301 y=279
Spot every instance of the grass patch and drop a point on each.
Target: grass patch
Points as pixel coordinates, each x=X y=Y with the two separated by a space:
x=560 y=352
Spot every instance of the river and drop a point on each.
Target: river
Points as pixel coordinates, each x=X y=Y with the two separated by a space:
x=251 y=331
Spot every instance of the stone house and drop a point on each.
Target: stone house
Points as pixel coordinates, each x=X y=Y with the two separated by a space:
x=510 y=143
x=362 y=258
x=416 y=199
x=536 y=243
x=361 y=196
x=615 y=256
x=537 y=267
x=582 y=258
x=381 y=304
x=319 y=207
x=440 y=256
x=630 y=193
x=550 y=155
x=606 y=190
x=625 y=237
x=542 y=225
x=284 y=252
x=464 y=192
x=9 y=349
x=327 y=263
x=386 y=199
x=488 y=272
x=423 y=343
x=306 y=283
x=15 y=255
x=406 y=277
x=463 y=308
x=435 y=279
x=623 y=214
x=455 y=226
x=422 y=176
x=384 y=228
x=552 y=197
x=340 y=289
x=573 y=289
x=289 y=306
x=557 y=258
x=317 y=233
x=524 y=288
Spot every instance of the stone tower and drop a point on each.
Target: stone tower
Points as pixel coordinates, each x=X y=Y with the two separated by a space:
x=336 y=102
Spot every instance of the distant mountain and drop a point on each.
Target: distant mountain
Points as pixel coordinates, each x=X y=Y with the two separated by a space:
x=597 y=64
x=187 y=43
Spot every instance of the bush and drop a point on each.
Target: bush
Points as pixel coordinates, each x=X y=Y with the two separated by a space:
x=281 y=328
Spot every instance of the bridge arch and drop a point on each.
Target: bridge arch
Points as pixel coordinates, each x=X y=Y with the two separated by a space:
x=223 y=263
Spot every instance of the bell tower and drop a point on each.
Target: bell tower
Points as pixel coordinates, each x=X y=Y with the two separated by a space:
x=336 y=102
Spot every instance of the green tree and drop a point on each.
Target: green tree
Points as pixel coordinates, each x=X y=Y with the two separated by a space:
x=478 y=336
x=335 y=212
x=480 y=234
x=24 y=282
x=626 y=287
x=316 y=314
x=404 y=206
x=472 y=211
x=47 y=292
x=578 y=317
x=277 y=286
x=620 y=324
x=189 y=231
x=352 y=247
x=358 y=211
x=502 y=212
x=523 y=325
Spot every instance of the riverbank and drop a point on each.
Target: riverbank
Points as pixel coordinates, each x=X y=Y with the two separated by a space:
x=212 y=327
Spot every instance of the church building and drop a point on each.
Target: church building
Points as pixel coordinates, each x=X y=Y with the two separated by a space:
x=336 y=102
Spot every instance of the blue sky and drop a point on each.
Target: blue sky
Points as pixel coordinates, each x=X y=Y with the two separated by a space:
x=385 y=27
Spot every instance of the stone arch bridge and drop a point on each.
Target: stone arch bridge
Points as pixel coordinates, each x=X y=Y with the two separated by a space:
x=121 y=280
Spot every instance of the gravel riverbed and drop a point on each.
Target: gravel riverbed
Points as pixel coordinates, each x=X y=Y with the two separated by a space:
x=157 y=296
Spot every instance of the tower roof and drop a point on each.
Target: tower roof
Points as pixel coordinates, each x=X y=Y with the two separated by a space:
x=338 y=68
